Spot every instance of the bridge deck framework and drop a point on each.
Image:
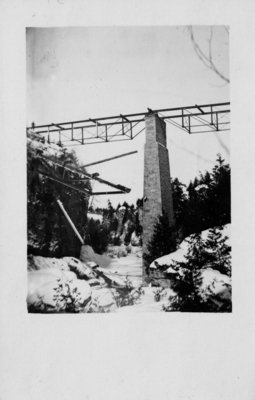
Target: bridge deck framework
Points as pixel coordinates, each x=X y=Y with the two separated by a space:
x=192 y=119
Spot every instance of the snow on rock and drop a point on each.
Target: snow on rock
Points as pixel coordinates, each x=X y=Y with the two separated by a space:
x=110 y=277
x=52 y=265
x=102 y=300
x=215 y=282
x=42 y=287
x=91 y=264
x=41 y=263
x=48 y=149
x=38 y=278
x=97 y=282
x=214 y=286
x=176 y=256
x=81 y=269
x=181 y=252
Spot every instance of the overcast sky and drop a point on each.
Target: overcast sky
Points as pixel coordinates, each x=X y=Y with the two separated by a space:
x=90 y=72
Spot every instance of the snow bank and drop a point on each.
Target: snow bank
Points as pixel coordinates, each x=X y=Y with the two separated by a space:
x=50 y=278
x=103 y=300
x=214 y=285
x=215 y=282
x=42 y=286
x=48 y=149
x=181 y=252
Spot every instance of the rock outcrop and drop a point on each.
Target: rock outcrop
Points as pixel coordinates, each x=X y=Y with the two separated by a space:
x=70 y=285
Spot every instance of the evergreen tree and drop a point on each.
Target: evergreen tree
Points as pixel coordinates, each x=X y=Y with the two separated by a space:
x=97 y=236
x=193 y=210
x=196 y=255
x=187 y=285
x=188 y=298
x=162 y=242
x=218 y=251
x=179 y=206
x=221 y=193
x=208 y=200
x=49 y=234
x=215 y=253
x=110 y=220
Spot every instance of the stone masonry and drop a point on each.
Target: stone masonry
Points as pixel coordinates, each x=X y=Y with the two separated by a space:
x=157 y=184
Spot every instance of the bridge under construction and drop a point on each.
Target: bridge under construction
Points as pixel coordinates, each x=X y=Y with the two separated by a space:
x=195 y=119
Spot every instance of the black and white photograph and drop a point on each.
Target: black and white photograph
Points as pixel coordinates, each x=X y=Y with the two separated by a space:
x=128 y=169
x=127 y=200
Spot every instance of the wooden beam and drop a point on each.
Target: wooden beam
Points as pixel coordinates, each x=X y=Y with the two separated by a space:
x=110 y=158
x=69 y=185
x=70 y=221
x=110 y=192
x=88 y=176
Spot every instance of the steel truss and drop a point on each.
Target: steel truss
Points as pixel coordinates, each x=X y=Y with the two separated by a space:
x=192 y=119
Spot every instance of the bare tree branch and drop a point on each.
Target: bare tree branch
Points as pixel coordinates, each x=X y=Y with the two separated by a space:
x=207 y=60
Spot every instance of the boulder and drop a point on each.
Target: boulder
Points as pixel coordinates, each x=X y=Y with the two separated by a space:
x=179 y=256
x=82 y=270
x=92 y=264
x=36 y=263
x=38 y=278
x=46 y=291
x=96 y=282
x=110 y=278
x=213 y=282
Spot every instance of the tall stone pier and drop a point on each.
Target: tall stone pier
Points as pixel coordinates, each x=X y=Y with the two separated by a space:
x=157 y=184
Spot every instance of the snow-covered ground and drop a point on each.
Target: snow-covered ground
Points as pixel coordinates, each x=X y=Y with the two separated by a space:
x=43 y=275
x=147 y=303
x=212 y=281
x=129 y=266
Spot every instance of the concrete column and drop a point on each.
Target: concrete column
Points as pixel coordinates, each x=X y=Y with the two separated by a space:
x=157 y=185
